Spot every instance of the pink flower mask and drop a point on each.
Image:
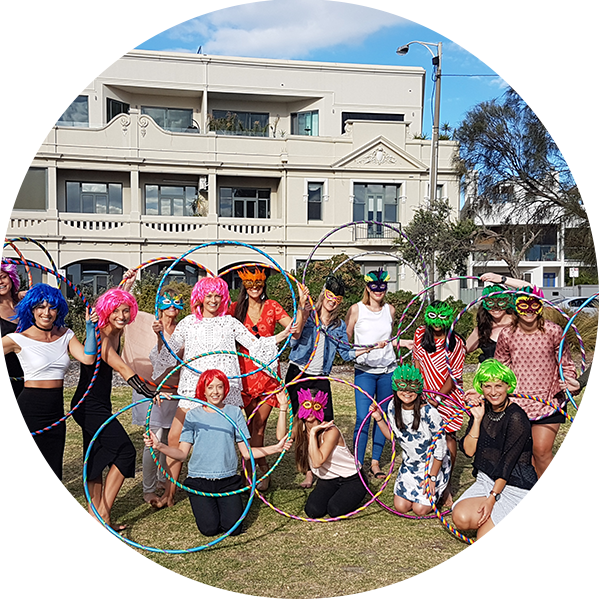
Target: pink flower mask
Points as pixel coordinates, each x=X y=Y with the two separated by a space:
x=311 y=407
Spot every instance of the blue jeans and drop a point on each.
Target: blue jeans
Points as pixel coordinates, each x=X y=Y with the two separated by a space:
x=379 y=386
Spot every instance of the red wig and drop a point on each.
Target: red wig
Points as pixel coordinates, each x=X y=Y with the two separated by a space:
x=206 y=378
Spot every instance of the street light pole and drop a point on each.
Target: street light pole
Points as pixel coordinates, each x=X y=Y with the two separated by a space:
x=435 y=130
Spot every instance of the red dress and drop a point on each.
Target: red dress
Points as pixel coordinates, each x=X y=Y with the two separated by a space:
x=259 y=384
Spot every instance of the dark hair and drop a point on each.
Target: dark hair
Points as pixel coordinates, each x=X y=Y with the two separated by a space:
x=428 y=342
x=416 y=412
x=241 y=306
x=335 y=284
x=485 y=323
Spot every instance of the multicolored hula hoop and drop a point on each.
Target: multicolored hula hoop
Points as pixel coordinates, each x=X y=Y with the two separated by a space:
x=27 y=239
x=555 y=539
x=152 y=548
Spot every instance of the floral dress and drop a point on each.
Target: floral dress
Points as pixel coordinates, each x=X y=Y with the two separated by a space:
x=414 y=445
x=259 y=384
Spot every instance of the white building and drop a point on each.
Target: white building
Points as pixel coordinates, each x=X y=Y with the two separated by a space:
x=166 y=151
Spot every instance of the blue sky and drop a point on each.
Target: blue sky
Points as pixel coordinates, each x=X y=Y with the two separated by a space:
x=336 y=32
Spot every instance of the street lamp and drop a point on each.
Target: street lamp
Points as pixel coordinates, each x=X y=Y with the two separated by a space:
x=435 y=130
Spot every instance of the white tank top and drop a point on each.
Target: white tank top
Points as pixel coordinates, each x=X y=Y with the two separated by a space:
x=339 y=464
x=43 y=360
x=372 y=327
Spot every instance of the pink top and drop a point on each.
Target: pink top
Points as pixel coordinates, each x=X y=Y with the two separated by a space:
x=339 y=464
x=534 y=359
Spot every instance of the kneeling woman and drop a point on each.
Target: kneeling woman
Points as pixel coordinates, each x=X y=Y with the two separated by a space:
x=213 y=464
x=499 y=437
x=320 y=447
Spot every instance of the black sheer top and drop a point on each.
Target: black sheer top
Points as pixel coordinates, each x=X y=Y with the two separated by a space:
x=504 y=447
x=487 y=351
x=13 y=366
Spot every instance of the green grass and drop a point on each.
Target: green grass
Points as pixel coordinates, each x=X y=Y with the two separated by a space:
x=372 y=555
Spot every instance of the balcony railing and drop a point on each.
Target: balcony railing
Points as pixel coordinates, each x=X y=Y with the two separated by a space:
x=372 y=231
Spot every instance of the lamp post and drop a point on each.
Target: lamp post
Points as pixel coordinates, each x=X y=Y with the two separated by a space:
x=435 y=130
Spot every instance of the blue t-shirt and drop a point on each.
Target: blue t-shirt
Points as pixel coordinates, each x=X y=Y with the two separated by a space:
x=214 y=455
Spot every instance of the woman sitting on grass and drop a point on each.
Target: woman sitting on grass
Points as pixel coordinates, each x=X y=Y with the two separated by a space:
x=214 y=461
x=414 y=423
x=499 y=438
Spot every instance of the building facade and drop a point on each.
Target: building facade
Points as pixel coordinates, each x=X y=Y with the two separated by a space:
x=167 y=151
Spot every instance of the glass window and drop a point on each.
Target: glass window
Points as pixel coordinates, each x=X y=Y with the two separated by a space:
x=63 y=109
x=170 y=200
x=376 y=202
x=246 y=203
x=2 y=107
x=171 y=119
x=227 y=122
x=305 y=123
x=315 y=201
x=32 y=194
x=98 y=198
x=114 y=108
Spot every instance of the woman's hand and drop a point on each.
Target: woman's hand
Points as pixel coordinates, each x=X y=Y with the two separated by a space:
x=151 y=441
x=428 y=484
x=158 y=328
x=91 y=316
x=283 y=334
x=569 y=384
x=486 y=510
x=491 y=277
x=375 y=411
x=283 y=444
x=302 y=295
x=409 y=344
x=128 y=279
x=321 y=427
x=477 y=407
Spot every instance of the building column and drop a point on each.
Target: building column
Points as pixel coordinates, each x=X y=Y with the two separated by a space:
x=135 y=201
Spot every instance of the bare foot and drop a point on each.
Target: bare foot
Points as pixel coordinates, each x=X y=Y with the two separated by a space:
x=308 y=480
x=163 y=501
x=150 y=497
x=536 y=533
x=32 y=550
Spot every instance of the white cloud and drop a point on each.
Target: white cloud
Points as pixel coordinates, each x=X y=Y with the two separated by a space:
x=48 y=12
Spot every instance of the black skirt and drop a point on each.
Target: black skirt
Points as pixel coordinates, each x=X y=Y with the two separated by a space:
x=40 y=408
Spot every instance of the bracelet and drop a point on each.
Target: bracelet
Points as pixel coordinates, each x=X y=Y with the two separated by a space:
x=475 y=438
x=283 y=410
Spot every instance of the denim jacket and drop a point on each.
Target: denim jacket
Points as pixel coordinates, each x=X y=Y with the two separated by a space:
x=336 y=341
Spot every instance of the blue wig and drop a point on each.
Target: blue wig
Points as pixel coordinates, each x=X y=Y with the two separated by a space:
x=38 y=294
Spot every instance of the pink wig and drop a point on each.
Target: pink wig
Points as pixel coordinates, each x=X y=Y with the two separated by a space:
x=208 y=285
x=206 y=378
x=110 y=301
x=11 y=271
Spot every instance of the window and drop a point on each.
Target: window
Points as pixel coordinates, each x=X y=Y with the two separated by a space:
x=114 y=108
x=549 y=280
x=62 y=109
x=315 y=195
x=170 y=200
x=99 y=198
x=97 y=275
x=32 y=195
x=351 y=116
x=171 y=119
x=244 y=203
x=376 y=202
x=305 y=123
x=227 y=122
x=2 y=107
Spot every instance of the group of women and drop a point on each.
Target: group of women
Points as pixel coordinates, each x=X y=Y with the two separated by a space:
x=217 y=354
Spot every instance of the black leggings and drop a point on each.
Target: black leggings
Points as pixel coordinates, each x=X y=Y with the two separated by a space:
x=335 y=497
x=216 y=515
x=317 y=384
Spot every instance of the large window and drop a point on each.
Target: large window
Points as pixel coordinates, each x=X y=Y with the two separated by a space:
x=315 y=197
x=376 y=202
x=243 y=203
x=99 y=198
x=305 y=123
x=63 y=109
x=32 y=195
x=171 y=200
x=171 y=119
x=114 y=108
x=229 y=122
x=98 y=276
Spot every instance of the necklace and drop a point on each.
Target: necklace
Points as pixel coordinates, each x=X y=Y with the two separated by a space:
x=496 y=416
x=41 y=328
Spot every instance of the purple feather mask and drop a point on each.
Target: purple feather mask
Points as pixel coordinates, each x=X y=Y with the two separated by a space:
x=311 y=407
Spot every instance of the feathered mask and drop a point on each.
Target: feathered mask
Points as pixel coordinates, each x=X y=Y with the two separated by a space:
x=377 y=281
x=168 y=301
x=252 y=279
x=311 y=407
x=528 y=304
x=407 y=378
x=439 y=315
x=497 y=301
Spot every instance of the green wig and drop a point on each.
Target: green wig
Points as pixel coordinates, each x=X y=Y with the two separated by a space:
x=493 y=370
x=407 y=378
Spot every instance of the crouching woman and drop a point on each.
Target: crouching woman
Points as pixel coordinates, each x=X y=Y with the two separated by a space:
x=499 y=438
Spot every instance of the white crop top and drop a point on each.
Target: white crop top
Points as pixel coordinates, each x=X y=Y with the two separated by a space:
x=43 y=360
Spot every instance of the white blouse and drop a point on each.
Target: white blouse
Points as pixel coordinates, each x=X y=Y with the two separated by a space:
x=201 y=336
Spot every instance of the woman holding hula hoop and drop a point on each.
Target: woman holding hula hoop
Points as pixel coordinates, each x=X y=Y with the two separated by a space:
x=530 y=348
x=498 y=437
x=369 y=322
x=207 y=329
x=42 y=344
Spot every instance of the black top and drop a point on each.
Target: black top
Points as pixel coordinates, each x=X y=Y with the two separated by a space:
x=13 y=366
x=487 y=351
x=505 y=446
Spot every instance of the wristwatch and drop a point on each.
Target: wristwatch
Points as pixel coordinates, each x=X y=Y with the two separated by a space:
x=503 y=279
x=496 y=495
x=433 y=478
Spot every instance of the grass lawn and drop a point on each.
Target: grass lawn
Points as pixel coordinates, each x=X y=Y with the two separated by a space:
x=372 y=555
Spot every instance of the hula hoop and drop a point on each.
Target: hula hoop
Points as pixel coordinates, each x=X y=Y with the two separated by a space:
x=379 y=501
x=27 y=269
x=40 y=246
x=562 y=343
x=165 y=258
x=555 y=539
x=225 y=243
x=359 y=509
x=151 y=548
x=16 y=261
x=156 y=459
